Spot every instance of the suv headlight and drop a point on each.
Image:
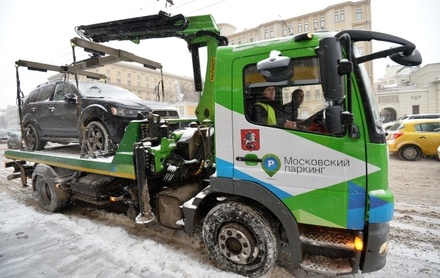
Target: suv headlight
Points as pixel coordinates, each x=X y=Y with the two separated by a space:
x=125 y=112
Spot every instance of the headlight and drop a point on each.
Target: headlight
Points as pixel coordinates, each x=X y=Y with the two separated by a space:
x=125 y=112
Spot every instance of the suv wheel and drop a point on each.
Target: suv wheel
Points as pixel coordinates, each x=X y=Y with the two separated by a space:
x=32 y=139
x=97 y=138
x=410 y=152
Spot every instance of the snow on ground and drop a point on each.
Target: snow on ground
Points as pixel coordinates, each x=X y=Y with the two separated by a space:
x=84 y=241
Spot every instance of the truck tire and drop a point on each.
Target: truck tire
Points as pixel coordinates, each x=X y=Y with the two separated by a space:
x=97 y=138
x=51 y=197
x=32 y=139
x=239 y=238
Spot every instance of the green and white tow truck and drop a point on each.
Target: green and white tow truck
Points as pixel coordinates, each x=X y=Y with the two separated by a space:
x=315 y=197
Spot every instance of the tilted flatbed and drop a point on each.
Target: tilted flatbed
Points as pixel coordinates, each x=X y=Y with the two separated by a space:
x=68 y=157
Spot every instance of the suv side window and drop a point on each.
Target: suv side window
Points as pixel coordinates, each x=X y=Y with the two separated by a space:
x=45 y=93
x=33 y=95
x=62 y=91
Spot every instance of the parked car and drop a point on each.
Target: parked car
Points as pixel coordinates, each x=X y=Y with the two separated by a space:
x=386 y=126
x=14 y=139
x=50 y=114
x=411 y=139
x=3 y=135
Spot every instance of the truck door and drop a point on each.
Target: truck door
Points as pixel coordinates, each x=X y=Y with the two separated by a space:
x=320 y=176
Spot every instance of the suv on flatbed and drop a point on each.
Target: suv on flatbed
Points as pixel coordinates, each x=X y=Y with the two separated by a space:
x=50 y=114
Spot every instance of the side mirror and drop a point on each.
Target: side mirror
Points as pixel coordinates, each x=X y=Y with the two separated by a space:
x=414 y=59
x=332 y=68
x=333 y=119
x=71 y=98
x=276 y=67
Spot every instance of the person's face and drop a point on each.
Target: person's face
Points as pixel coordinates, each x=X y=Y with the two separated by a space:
x=298 y=98
x=269 y=92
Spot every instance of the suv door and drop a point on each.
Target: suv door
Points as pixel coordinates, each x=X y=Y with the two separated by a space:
x=39 y=109
x=62 y=112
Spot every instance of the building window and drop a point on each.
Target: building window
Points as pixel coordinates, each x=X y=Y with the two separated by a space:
x=271 y=32
x=129 y=82
x=336 y=17
x=285 y=32
x=139 y=84
x=307 y=95
x=107 y=71
x=416 y=109
x=146 y=78
x=138 y=77
x=118 y=73
x=389 y=99
x=315 y=24
x=266 y=33
x=322 y=23
x=358 y=14
x=341 y=15
x=300 y=28
x=317 y=94
x=118 y=81
x=306 y=26
x=128 y=75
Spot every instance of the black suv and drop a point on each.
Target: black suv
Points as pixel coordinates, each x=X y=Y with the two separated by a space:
x=50 y=114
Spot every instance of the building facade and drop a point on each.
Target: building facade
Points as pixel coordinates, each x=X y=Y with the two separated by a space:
x=338 y=17
x=408 y=90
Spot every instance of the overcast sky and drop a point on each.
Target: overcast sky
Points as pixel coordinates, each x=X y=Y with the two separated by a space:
x=41 y=30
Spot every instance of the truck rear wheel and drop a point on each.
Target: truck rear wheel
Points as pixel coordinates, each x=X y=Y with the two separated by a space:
x=51 y=197
x=239 y=238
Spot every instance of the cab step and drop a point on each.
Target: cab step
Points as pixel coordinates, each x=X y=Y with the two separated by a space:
x=326 y=265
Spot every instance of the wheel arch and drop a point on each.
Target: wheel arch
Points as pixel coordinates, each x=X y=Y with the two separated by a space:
x=94 y=112
x=249 y=193
x=43 y=170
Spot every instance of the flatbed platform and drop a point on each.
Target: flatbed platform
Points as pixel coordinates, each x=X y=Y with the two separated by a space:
x=68 y=156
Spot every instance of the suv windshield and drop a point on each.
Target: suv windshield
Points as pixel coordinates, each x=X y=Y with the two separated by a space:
x=102 y=90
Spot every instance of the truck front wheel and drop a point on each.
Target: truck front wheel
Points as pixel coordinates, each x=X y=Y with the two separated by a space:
x=239 y=238
x=51 y=197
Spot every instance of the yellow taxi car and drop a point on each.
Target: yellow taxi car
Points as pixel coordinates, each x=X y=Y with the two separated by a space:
x=411 y=139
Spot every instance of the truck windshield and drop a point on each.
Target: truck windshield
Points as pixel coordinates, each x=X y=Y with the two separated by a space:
x=370 y=96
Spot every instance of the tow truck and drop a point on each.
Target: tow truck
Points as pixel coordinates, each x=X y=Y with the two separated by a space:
x=257 y=194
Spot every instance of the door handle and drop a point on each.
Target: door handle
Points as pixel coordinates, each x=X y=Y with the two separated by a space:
x=51 y=109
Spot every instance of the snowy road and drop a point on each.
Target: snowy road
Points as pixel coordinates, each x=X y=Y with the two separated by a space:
x=84 y=241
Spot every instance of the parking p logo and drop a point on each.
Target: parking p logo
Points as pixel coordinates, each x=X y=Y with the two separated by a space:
x=271 y=164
